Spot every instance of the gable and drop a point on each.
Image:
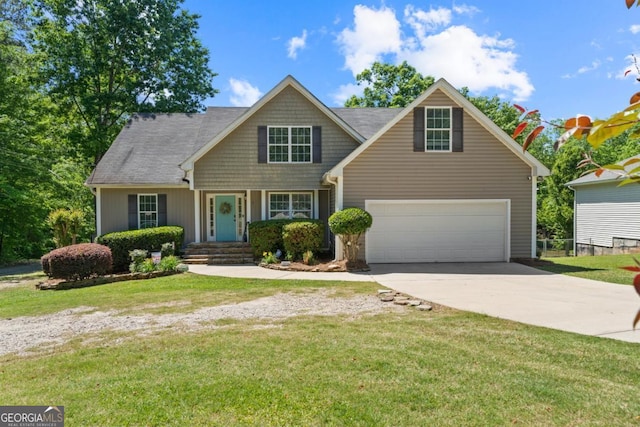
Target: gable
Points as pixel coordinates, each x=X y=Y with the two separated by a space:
x=233 y=162
x=442 y=94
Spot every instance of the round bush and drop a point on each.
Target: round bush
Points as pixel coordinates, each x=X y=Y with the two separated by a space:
x=300 y=237
x=77 y=262
x=350 y=221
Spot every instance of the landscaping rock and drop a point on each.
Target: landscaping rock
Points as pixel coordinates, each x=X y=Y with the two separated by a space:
x=414 y=302
x=387 y=297
x=333 y=267
x=424 y=307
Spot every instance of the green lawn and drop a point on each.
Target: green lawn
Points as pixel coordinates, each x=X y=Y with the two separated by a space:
x=605 y=267
x=443 y=367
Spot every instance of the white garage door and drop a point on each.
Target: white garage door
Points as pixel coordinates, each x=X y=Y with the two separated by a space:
x=437 y=231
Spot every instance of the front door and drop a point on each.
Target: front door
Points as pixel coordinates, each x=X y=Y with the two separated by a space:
x=225 y=218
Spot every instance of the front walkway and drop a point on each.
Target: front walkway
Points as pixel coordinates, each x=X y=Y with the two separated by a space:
x=504 y=290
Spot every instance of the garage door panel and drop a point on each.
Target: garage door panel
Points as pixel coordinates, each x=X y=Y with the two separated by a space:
x=434 y=231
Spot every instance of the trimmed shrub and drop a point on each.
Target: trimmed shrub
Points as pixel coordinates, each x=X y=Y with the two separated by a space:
x=150 y=239
x=349 y=224
x=44 y=261
x=300 y=237
x=267 y=236
x=77 y=262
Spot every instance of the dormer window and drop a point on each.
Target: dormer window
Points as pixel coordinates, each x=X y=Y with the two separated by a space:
x=289 y=144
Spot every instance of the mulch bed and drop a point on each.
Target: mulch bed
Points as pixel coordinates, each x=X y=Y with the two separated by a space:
x=60 y=284
x=321 y=266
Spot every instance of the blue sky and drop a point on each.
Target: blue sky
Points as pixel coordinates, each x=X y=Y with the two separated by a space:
x=563 y=57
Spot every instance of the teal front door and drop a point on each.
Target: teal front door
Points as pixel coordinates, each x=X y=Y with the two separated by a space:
x=225 y=218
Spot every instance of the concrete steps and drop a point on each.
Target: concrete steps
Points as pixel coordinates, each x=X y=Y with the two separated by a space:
x=218 y=253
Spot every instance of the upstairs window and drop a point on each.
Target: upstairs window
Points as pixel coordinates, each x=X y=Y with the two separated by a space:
x=289 y=144
x=438 y=129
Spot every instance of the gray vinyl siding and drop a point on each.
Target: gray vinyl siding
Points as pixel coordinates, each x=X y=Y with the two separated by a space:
x=389 y=169
x=114 y=207
x=256 y=206
x=233 y=163
x=605 y=211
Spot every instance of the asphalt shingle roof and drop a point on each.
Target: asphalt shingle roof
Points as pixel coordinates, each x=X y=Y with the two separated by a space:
x=606 y=176
x=151 y=147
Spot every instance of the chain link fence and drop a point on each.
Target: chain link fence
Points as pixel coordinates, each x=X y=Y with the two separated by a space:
x=554 y=247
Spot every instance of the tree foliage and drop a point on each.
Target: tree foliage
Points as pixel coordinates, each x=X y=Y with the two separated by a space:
x=388 y=85
x=109 y=59
x=391 y=86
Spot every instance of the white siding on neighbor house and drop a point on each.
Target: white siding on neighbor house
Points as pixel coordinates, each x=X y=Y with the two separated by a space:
x=605 y=211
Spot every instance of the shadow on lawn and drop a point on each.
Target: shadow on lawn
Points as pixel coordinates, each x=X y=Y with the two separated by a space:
x=552 y=267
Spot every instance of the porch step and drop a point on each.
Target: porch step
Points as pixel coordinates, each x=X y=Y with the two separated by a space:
x=218 y=253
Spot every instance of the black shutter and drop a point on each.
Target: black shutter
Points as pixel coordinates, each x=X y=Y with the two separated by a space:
x=262 y=144
x=317 y=144
x=133 y=211
x=162 y=210
x=457 y=137
x=418 y=129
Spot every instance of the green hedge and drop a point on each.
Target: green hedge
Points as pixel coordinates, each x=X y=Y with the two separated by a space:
x=299 y=237
x=150 y=239
x=77 y=262
x=267 y=236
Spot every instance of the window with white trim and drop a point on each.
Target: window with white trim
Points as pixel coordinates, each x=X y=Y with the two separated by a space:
x=438 y=129
x=289 y=144
x=147 y=210
x=290 y=205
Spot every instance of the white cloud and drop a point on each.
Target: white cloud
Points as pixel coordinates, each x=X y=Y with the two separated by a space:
x=243 y=93
x=465 y=9
x=465 y=58
x=345 y=92
x=375 y=32
x=429 y=42
x=423 y=22
x=635 y=29
x=295 y=44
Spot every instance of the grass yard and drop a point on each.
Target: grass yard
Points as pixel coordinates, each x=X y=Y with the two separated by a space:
x=405 y=368
x=605 y=267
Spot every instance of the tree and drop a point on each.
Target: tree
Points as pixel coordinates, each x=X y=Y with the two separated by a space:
x=107 y=59
x=349 y=225
x=394 y=86
x=389 y=86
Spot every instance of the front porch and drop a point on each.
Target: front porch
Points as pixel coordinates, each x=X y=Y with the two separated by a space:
x=223 y=216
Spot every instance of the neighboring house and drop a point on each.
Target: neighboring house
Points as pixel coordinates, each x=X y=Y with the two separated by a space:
x=606 y=216
x=442 y=181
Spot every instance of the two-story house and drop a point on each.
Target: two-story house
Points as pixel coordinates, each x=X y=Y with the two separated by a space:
x=442 y=181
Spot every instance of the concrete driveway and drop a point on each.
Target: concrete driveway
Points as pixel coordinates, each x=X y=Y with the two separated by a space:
x=524 y=294
x=504 y=290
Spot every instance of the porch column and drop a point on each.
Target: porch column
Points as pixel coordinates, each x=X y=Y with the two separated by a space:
x=338 y=202
x=196 y=204
x=248 y=206
x=247 y=214
x=263 y=200
x=316 y=203
x=98 y=212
